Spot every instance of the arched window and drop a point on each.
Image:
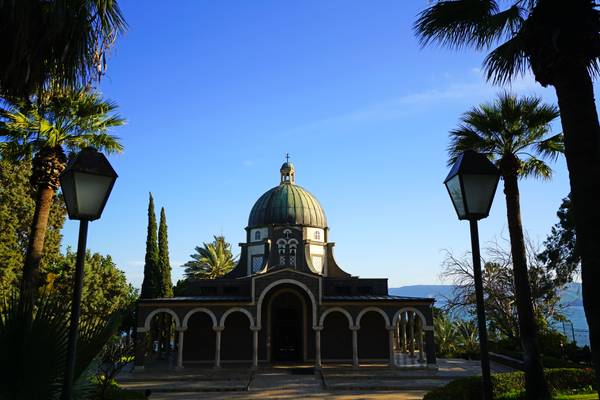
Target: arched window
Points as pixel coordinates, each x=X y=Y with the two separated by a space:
x=257 y=235
x=317 y=235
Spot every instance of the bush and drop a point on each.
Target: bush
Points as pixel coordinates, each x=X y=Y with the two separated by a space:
x=509 y=386
x=459 y=389
x=570 y=379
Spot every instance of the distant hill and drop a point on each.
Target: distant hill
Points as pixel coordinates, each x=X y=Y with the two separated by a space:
x=571 y=295
x=438 y=292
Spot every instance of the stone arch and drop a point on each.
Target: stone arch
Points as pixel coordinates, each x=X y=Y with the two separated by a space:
x=279 y=282
x=199 y=309
x=304 y=320
x=338 y=309
x=337 y=335
x=236 y=309
x=411 y=309
x=377 y=310
x=158 y=311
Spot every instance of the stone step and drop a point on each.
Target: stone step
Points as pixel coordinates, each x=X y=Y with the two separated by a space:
x=384 y=385
x=186 y=386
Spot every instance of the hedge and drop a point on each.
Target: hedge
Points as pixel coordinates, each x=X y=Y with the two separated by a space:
x=509 y=385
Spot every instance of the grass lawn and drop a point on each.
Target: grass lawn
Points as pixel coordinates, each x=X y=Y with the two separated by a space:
x=590 y=396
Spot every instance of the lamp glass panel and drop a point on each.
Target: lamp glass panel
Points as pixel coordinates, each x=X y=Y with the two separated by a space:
x=479 y=191
x=453 y=186
x=67 y=186
x=91 y=193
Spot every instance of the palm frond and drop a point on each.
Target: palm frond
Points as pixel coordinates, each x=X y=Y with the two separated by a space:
x=460 y=23
x=211 y=260
x=465 y=138
x=54 y=43
x=66 y=118
x=93 y=334
x=33 y=338
x=552 y=147
x=534 y=167
x=506 y=61
x=507 y=128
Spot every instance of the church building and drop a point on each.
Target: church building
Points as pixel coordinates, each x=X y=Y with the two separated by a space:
x=288 y=301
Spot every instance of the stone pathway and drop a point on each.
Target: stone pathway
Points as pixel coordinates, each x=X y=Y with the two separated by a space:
x=335 y=382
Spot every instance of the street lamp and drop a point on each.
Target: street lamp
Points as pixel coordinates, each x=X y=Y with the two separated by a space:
x=86 y=184
x=471 y=184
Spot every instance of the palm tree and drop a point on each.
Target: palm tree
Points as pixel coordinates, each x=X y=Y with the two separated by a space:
x=34 y=339
x=468 y=337
x=211 y=261
x=513 y=132
x=61 y=40
x=60 y=121
x=558 y=41
x=446 y=336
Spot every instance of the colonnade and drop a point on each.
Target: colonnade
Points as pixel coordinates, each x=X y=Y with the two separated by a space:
x=355 y=359
x=406 y=334
x=140 y=342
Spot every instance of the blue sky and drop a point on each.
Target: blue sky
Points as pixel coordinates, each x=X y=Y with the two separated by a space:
x=217 y=92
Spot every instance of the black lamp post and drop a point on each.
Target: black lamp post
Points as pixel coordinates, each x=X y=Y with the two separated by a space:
x=471 y=184
x=86 y=184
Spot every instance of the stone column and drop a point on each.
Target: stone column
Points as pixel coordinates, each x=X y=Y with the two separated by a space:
x=318 y=347
x=411 y=333
x=398 y=342
x=403 y=331
x=354 y=346
x=140 y=349
x=254 y=348
x=180 y=349
x=429 y=346
x=420 y=340
x=218 y=330
x=391 y=345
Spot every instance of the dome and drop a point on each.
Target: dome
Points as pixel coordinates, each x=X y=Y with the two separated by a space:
x=287 y=204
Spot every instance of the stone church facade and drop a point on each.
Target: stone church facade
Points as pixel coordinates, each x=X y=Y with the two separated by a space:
x=288 y=300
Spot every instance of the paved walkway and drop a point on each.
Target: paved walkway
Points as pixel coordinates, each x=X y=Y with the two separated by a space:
x=335 y=382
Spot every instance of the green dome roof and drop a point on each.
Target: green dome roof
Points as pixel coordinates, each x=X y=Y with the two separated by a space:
x=287 y=204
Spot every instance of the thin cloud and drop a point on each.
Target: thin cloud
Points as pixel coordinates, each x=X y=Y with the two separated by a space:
x=474 y=90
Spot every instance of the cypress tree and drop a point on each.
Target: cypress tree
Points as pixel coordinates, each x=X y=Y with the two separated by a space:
x=152 y=278
x=165 y=324
x=163 y=257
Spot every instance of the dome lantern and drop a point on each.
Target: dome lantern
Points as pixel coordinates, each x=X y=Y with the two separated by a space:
x=288 y=172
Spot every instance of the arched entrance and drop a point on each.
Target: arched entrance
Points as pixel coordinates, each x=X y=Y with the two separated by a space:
x=287 y=325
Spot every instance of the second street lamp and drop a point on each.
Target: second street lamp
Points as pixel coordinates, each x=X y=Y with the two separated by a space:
x=86 y=184
x=471 y=184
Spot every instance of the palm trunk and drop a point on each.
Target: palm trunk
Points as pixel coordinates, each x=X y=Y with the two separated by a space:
x=35 y=248
x=535 y=382
x=582 y=150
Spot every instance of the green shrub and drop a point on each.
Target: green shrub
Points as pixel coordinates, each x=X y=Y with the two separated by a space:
x=459 y=389
x=505 y=383
x=565 y=379
x=509 y=386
